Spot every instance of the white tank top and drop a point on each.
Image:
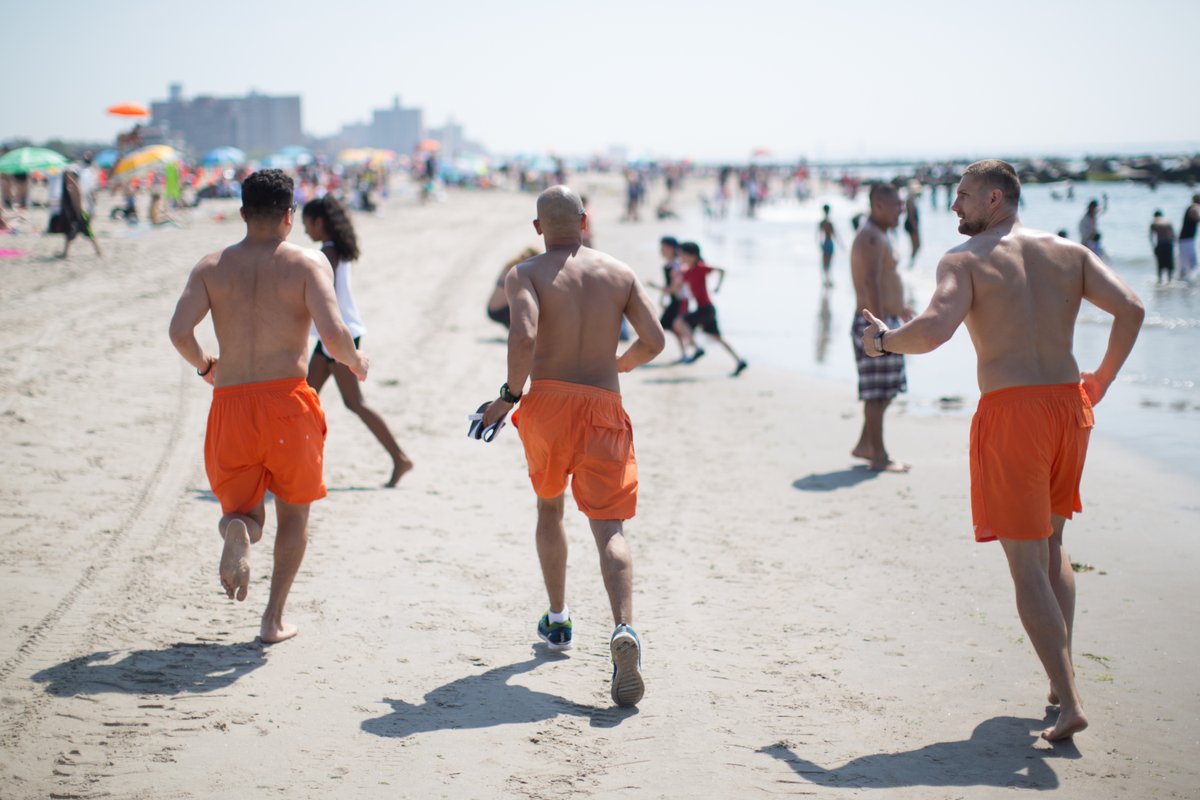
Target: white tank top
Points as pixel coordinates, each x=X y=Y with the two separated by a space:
x=345 y=300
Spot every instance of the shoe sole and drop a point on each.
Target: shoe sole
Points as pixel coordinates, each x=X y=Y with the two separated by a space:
x=627 y=686
x=555 y=647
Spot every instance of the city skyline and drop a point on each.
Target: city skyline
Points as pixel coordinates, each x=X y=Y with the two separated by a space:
x=669 y=79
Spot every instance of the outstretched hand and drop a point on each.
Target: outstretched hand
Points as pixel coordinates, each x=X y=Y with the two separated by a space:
x=874 y=326
x=1094 y=386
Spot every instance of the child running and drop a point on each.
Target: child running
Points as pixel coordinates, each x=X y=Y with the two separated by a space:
x=695 y=275
x=326 y=221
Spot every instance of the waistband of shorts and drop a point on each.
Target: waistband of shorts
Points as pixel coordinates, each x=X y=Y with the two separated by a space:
x=282 y=386
x=1036 y=392
x=566 y=387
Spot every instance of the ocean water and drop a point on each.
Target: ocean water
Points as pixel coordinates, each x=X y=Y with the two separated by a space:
x=774 y=310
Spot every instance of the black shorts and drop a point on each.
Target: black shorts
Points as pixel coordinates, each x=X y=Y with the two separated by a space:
x=320 y=349
x=704 y=317
x=670 y=313
x=501 y=315
x=1165 y=254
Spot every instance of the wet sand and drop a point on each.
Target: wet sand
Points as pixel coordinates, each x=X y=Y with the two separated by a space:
x=810 y=628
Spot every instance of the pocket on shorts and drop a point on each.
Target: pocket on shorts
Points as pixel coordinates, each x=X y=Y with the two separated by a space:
x=609 y=436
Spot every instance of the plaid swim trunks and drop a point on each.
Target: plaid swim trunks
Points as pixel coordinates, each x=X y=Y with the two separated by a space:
x=879 y=378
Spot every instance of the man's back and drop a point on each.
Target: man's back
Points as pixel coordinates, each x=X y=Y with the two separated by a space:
x=1026 y=290
x=581 y=296
x=257 y=293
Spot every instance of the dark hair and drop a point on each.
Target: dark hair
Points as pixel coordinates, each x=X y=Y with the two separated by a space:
x=669 y=241
x=881 y=188
x=825 y=208
x=1093 y=204
x=337 y=225
x=267 y=195
x=691 y=248
x=997 y=174
x=1158 y=212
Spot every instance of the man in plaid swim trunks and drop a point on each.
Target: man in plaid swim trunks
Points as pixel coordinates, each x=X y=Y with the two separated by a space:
x=1019 y=292
x=566 y=306
x=874 y=269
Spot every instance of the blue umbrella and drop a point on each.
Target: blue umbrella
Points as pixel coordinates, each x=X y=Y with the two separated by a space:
x=223 y=156
x=106 y=158
x=299 y=155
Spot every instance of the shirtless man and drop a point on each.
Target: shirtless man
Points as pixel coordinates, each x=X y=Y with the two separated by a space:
x=566 y=307
x=266 y=429
x=1019 y=292
x=877 y=284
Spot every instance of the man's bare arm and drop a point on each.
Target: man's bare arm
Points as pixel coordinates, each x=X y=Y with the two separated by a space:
x=651 y=339
x=866 y=262
x=934 y=326
x=192 y=308
x=321 y=302
x=522 y=331
x=1104 y=289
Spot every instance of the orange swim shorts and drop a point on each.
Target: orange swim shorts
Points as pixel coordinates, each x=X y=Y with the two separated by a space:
x=570 y=429
x=1028 y=444
x=262 y=436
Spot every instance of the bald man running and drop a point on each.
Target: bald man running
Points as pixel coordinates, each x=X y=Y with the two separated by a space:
x=266 y=429
x=566 y=308
x=1019 y=292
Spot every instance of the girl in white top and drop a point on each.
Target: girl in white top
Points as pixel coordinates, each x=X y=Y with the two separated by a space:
x=326 y=221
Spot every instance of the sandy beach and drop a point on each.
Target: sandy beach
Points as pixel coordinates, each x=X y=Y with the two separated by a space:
x=810 y=628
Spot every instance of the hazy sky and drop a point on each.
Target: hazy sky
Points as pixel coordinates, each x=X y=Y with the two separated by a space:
x=706 y=80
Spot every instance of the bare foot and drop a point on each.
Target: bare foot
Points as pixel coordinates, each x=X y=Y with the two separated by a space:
x=863 y=452
x=889 y=466
x=400 y=465
x=1068 y=724
x=274 y=634
x=235 y=559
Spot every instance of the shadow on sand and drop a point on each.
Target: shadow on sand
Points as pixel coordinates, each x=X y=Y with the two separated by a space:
x=482 y=701
x=181 y=667
x=999 y=753
x=841 y=479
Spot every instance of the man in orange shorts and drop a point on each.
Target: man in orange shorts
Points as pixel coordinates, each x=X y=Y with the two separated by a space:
x=266 y=430
x=567 y=305
x=1019 y=292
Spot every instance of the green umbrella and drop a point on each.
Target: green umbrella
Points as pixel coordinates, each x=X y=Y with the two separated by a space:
x=30 y=159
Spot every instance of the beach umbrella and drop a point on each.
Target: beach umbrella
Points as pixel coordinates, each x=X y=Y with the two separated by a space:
x=144 y=160
x=279 y=161
x=106 y=158
x=129 y=110
x=299 y=155
x=354 y=155
x=30 y=159
x=223 y=156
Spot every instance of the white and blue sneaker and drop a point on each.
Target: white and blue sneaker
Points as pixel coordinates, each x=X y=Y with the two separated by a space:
x=627 y=684
x=556 y=635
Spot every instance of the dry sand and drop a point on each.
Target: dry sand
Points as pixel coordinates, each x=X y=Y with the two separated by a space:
x=809 y=628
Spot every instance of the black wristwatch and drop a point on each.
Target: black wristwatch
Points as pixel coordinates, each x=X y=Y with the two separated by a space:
x=507 y=396
x=879 y=342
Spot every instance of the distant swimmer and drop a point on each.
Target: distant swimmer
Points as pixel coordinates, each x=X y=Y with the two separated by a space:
x=1019 y=292
x=1089 y=232
x=704 y=317
x=874 y=267
x=912 y=219
x=1162 y=239
x=1187 y=239
x=827 y=237
x=326 y=221
x=266 y=429
x=567 y=306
